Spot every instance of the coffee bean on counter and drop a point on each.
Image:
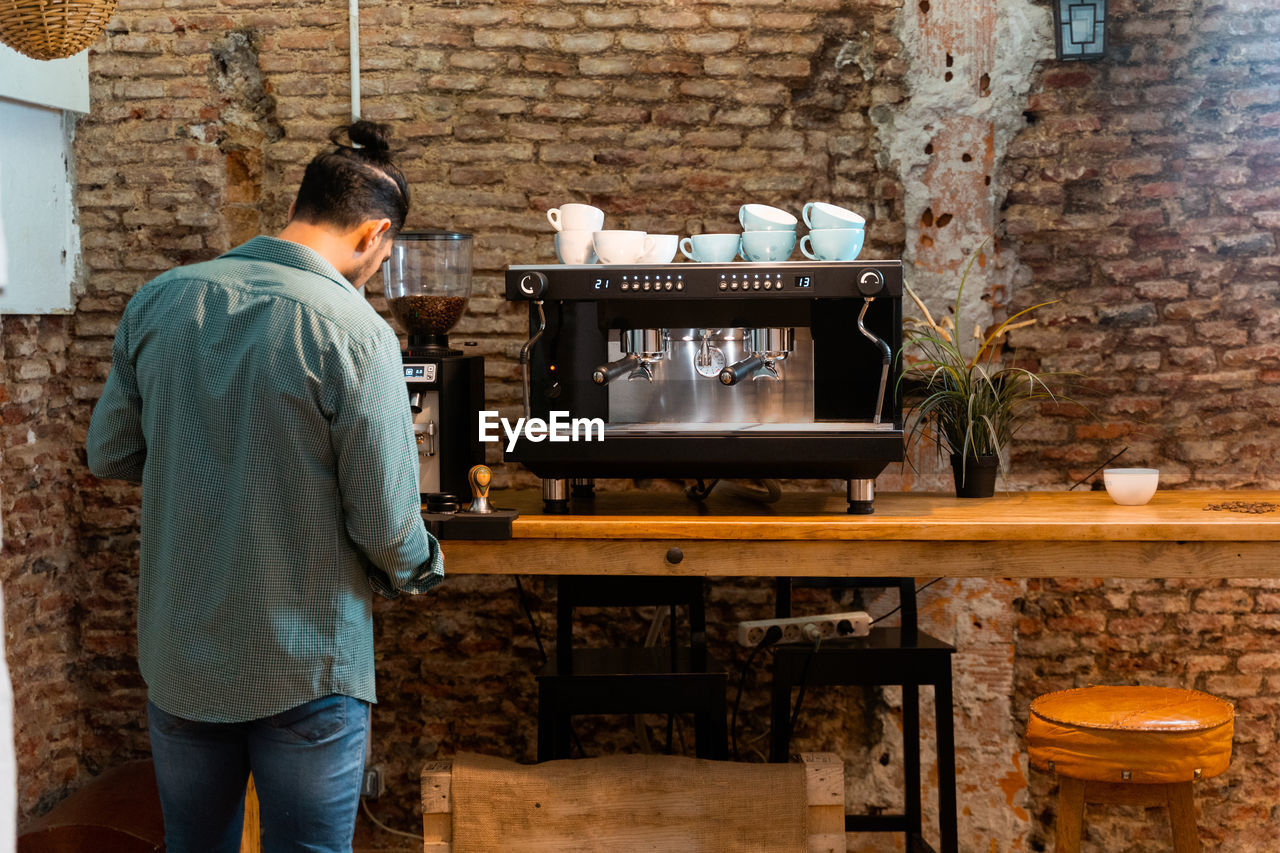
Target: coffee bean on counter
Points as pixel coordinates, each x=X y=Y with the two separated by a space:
x=1253 y=507
x=427 y=314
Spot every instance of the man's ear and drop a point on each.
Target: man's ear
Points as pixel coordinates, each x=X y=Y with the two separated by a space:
x=370 y=232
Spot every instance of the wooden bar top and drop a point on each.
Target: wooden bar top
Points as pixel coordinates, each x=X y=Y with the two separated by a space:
x=1011 y=516
x=1013 y=534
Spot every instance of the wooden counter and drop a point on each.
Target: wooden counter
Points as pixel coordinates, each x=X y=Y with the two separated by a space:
x=1016 y=534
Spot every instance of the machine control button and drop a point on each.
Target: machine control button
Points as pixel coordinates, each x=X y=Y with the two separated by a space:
x=679 y=285
x=870 y=282
x=533 y=284
x=724 y=285
x=668 y=285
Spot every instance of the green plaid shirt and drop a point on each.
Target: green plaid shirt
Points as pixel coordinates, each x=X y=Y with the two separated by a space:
x=260 y=401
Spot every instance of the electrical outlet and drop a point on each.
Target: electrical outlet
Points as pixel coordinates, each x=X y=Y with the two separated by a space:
x=798 y=629
x=374 y=783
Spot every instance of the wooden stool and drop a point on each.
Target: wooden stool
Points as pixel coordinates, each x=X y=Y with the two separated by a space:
x=1138 y=746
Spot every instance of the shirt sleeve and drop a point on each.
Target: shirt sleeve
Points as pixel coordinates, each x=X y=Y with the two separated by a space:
x=116 y=447
x=372 y=434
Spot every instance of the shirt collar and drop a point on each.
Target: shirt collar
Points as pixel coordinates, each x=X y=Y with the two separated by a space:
x=290 y=254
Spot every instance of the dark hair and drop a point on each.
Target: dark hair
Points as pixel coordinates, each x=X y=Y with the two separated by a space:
x=354 y=182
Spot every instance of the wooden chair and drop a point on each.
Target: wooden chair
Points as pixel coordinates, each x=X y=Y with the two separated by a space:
x=1129 y=745
x=658 y=803
x=251 y=839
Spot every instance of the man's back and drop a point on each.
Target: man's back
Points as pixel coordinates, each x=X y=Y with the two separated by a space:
x=277 y=458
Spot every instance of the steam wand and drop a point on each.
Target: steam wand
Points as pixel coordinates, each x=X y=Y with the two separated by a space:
x=886 y=356
x=524 y=358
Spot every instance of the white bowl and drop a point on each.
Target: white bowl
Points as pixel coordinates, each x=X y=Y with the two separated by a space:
x=1131 y=486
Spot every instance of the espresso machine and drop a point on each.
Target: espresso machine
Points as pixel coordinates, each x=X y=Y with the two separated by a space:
x=737 y=370
x=428 y=283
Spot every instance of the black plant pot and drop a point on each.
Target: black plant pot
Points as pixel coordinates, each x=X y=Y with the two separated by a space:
x=975 y=476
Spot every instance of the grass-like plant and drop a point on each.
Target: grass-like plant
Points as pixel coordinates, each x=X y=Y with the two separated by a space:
x=974 y=403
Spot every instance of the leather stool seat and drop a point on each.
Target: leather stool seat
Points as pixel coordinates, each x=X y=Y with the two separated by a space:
x=1137 y=746
x=1149 y=735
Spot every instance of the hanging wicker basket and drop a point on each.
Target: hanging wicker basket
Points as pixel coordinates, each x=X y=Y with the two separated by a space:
x=53 y=29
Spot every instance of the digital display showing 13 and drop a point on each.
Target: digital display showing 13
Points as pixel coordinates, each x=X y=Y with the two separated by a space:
x=804 y=281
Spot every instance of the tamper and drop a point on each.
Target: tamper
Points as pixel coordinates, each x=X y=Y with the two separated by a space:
x=479 y=477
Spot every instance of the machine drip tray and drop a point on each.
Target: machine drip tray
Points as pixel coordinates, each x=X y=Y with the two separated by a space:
x=754 y=428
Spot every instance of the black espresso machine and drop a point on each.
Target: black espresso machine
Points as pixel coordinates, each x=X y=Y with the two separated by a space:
x=737 y=370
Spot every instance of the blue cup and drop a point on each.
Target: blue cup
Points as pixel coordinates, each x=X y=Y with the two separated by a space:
x=710 y=248
x=833 y=244
x=820 y=215
x=762 y=217
x=767 y=245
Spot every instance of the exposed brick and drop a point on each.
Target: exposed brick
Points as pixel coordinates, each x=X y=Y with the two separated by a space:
x=1166 y=268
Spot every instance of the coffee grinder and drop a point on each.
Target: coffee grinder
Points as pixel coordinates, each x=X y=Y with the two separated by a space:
x=428 y=282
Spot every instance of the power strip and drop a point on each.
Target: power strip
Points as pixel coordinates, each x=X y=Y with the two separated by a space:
x=797 y=629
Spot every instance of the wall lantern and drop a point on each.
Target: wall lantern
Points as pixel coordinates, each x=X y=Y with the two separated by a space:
x=1080 y=28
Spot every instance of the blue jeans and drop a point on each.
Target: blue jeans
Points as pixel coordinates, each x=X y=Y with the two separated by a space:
x=307 y=765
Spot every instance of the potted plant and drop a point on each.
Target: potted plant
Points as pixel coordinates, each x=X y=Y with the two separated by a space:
x=970 y=405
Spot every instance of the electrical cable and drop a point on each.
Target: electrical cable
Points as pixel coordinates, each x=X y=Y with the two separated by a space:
x=1096 y=470
x=899 y=607
x=804 y=671
x=771 y=636
x=537 y=638
x=701 y=491
x=804 y=679
x=533 y=626
x=364 y=804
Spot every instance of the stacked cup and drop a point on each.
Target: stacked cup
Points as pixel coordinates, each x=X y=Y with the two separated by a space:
x=576 y=226
x=835 y=234
x=768 y=233
x=582 y=239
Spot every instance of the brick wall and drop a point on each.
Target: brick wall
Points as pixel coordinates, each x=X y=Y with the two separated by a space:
x=1143 y=195
x=1139 y=191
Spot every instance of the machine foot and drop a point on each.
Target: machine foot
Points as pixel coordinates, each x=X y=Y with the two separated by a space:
x=862 y=497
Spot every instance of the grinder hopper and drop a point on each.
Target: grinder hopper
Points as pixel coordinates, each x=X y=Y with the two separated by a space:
x=428 y=284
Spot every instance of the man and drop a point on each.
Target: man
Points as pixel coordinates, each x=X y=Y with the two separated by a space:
x=259 y=400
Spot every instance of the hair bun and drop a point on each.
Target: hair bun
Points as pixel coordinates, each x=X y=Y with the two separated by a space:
x=367 y=135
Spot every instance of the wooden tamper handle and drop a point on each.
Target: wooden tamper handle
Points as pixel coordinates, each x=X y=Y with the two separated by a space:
x=479 y=477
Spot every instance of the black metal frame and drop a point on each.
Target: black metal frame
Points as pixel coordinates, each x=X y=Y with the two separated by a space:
x=676 y=679
x=889 y=656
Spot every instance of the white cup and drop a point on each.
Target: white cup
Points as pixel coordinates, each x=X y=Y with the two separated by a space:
x=576 y=217
x=621 y=247
x=1131 y=486
x=664 y=249
x=819 y=214
x=575 y=247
